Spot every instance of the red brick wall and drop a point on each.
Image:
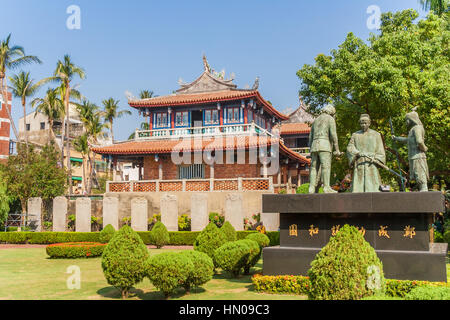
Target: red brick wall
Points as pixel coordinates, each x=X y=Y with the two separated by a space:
x=4 y=129
x=221 y=171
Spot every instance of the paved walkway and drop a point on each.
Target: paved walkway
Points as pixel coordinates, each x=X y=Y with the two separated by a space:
x=27 y=246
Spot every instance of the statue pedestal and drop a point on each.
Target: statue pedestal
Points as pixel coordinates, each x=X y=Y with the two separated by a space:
x=395 y=224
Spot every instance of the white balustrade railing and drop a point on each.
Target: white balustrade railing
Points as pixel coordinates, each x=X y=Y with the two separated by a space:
x=192 y=132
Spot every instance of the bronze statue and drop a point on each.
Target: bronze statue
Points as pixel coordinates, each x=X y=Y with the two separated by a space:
x=322 y=139
x=365 y=152
x=418 y=167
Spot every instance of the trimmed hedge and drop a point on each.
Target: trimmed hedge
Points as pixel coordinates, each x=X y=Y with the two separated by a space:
x=177 y=238
x=73 y=250
x=159 y=236
x=429 y=293
x=301 y=285
x=233 y=256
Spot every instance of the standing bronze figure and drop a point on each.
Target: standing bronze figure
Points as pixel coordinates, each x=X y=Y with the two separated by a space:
x=365 y=153
x=322 y=139
x=418 y=167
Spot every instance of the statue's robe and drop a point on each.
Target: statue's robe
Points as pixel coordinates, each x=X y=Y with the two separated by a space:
x=366 y=177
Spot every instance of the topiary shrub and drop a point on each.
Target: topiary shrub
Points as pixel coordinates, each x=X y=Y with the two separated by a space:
x=74 y=250
x=209 y=240
x=260 y=238
x=347 y=268
x=124 y=260
x=438 y=237
x=429 y=293
x=232 y=256
x=202 y=272
x=229 y=231
x=106 y=234
x=159 y=235
x=168 y=271
x=254 y=256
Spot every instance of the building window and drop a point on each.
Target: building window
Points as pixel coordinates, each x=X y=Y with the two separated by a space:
x=195 y=171
x=28 y=127
x=211 y=117
x=161 y=120
x=250 y=116
x=42 y=125
x=182 y=119
x=234 y=115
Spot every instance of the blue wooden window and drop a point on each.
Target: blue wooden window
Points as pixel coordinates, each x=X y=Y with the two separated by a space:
x=233 y=115
x=211 y=117
x=182 y=119
x=161 y=120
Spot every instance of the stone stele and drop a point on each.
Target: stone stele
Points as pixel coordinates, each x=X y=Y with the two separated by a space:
x=199 y=211
x=34 y=213
x=139 y=214
x=169 y=211
x=59 y=214
x=83 y=215
x=111 y=212
x=234 y=211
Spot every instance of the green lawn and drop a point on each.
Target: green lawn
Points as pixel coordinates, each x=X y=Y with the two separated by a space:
x=28 y=274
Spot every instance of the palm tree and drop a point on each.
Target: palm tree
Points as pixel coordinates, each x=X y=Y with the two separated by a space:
x=65 y=71
x=81 y=145
x=146 y=94
x=92 y=121
x=110 y=113
x=50 y=106
x=12 y=57
x=437 y=6
x=22 y=86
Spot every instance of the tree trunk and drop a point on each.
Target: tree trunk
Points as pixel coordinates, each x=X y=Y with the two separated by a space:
x=84 y=172
x=112 y=132
x=91 y=171
x=69 y=167
x=25 y=134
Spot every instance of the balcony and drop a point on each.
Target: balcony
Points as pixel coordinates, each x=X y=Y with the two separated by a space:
x=193 y=132
x=303 y=151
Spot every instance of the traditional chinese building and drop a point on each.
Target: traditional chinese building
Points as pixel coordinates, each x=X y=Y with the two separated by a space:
x=4 y=128
x=208 y=135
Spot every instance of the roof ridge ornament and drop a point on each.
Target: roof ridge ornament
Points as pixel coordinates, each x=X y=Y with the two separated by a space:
x=206 y=64
x=256 y=84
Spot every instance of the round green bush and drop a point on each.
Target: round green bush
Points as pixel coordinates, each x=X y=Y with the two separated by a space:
x=106 y=234
x=254 y=256
x=202 y=272
x=209 y=240
x=429 y=293
x=74 y=250
x=438 y=237
x=229 y=231
x=347 y=268
x=168 y=271
x=159 y=235
x=232 y=256
x=124 y=260
x=260 y=238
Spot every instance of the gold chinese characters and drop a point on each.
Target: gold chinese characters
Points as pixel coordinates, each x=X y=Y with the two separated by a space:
x=293 y=230
x=313 y=231
x=382 y=232
x=409 y=232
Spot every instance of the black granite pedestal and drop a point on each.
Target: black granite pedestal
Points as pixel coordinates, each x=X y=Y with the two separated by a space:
x=395 y=224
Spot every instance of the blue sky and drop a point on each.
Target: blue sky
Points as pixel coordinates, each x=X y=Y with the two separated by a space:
x=134 y=45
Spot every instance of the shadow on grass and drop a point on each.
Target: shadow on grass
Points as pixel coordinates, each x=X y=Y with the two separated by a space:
x=113 y=293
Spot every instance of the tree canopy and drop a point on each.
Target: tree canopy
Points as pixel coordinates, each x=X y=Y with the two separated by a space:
x=405 y=65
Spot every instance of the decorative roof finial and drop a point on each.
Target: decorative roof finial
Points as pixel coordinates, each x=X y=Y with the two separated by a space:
x=256 y=84
x=206 y=64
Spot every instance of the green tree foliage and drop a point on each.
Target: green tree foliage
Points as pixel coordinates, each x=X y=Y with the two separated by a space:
x=233 y=256
x=262 y=240
x=124 y=260
x=429 y=293
x=404 y=66
x=439 y=7
x=229 y=231
x=209 y=240
x=31 y=173
x=159 y=235
x=169 y=270
x=106 y=234
x=254 y=256
x=347 y=268
x=202 y=272
x=5 y=200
